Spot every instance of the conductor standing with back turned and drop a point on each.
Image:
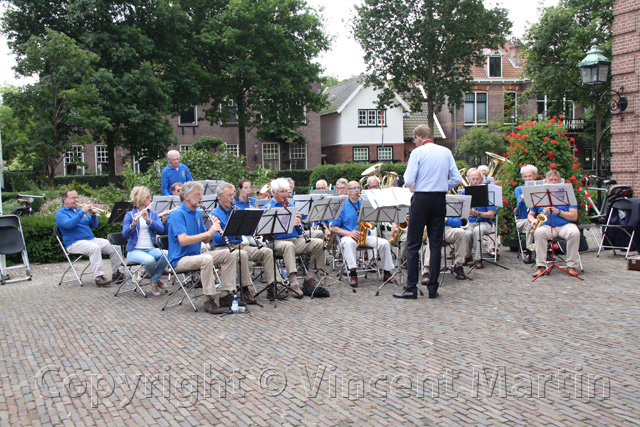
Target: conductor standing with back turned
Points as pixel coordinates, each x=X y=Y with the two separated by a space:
x=430 y=173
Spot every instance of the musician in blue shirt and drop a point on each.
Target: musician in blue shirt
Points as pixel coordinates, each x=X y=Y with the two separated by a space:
x=564 y=225
x=173 y=172
x=480 y=224
x=528 y=173
x=246 y=252
x=243 y=199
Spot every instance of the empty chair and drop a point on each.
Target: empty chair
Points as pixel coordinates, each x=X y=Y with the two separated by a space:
x=12 y=242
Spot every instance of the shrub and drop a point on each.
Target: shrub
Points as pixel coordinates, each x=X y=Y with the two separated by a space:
x=351 y=171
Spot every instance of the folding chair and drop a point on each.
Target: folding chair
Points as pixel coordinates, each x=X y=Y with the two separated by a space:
x=190 y=278
x=12 y=242
x=364 y=267
x=519 y=235
x=619 y=230
x=69 y=255
x=116 y=239
x=562 y=244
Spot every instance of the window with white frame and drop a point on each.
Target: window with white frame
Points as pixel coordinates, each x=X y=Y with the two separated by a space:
x=102 y=160
x=385 y=154
x=230 y=110
x=271 y=155
x=73 y=161
x=511 y=107
x=298 y=156
x=189 y=117
x=475 y=108
x=233 y=149
x=360 y=154
x=371 y=118
x=184 y=148
x=495 y=66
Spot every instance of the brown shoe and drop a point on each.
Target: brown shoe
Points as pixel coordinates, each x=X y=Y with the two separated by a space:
x=539 y=272
x=354 y=281
x=425 y=278
x=248 y=295
x=278 y=295
x=102 y=281
x=211 y=307
x=154 y=289
x=227 y=300
x=467 y=261
x=297 y=292
x=389 y=277
x=573 y=271
x=163 y=286
x=118 y=276
x=459 y=271
x=479 y=265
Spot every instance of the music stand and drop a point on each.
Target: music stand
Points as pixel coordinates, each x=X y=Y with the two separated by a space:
x=399 y=216
x=209 y=202
x=240 y=223
x=261 y=202
x=458 y=206
x=275 y=221
x=209 y=186
x=481 y=196
x=118 y=211
x=550 y=196
x=164 y=203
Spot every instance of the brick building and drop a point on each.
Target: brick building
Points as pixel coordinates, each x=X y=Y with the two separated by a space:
x=625 y=70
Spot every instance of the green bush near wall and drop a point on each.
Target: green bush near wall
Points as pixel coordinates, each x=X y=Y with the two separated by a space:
x=299 y=176
x=42 y=246
x=93 y=181
x=352 y=171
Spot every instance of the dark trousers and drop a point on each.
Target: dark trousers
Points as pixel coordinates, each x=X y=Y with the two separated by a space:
x=426 y=209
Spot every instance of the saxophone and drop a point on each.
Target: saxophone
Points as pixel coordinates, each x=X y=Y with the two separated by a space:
x=395 y=236
x=363 y=229
x=331 y=238
x=541 y=218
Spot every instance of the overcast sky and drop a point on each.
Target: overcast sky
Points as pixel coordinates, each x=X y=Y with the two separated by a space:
x=345 y=56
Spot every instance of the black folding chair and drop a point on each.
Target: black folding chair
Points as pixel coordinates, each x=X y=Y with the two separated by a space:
x=12 y=242
x=187 y=284
x=70 y=255
x=130 y=280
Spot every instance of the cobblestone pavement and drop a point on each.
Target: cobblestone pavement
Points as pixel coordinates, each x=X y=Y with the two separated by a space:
x=496 y=350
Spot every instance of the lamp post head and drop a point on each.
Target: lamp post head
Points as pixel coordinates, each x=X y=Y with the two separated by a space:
x=594 y=68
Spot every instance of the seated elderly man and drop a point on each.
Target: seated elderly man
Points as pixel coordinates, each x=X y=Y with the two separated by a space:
x=341 y=186
x=346 y=226
x=75 y=225
x=186 y=233
x=480 y=224
x=528 y=173
x=292 y=244
x=246 y=253
x=453 y=234
x=564 y=220
x=322 y=185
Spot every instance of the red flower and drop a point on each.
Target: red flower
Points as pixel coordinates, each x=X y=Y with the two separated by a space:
x=552 y=165
x=521 y=165
x=506 y=181
x=587 y=194
x=553 y=141
x=553 y=120
x=574 y=166
x=506 y=228
x=514 y=150
x=548 y=124
x=560 y=122
x=579 y=189
x=525 y=149
x=511 y=143
x=561 y=116
x=530 y=124
x=505 y=201
x=518 y=145
x=575 y=148
x=514 y=183
x=546 y=138
x=521 y=126
x=572 y=140
x=524 y=136
x=573 y=178
x=581 y=203
x=590 y=205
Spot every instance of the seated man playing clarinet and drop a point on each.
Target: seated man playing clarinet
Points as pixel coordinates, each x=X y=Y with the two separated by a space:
x=246 y=253
x=293 y=244
x=346 y=226
x=454 y=235
x=563 y=219
x=529 y=173
x=186 y=233
x=480 y=224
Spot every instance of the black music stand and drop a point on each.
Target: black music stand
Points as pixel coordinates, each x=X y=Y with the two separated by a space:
x=399 y=216
x=275 y=221
x=551 y=198
x=480 y=197
x=118 y=211
x=240 y=223
x=456 y=208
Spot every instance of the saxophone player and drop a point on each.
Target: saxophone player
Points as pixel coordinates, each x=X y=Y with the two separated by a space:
x=346 y=226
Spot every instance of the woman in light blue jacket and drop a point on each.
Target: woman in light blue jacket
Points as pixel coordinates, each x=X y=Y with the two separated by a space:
x=140 y=227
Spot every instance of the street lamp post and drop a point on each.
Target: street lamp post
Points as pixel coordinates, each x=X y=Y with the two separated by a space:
x=594 y=72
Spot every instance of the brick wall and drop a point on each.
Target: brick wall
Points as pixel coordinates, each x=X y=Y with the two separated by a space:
x=625 y=142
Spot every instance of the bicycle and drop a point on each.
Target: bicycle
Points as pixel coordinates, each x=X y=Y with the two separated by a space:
x=25 y=201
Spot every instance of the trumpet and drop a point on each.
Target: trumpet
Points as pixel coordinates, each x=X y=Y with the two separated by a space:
x=214 y=219
x=105 y=212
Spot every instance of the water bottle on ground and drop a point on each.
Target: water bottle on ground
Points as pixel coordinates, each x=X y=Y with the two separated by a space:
x=285 y=276
x=234 y=304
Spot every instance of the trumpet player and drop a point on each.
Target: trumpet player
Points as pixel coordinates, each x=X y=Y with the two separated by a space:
x=139 y=227
x=293 y=244
x=75 y=225
x=454 y=235
x=528 y=173
x=246 y=253
x=563 y=219
x=346 y=226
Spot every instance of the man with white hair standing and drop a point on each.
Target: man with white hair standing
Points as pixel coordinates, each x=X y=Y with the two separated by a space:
x=528 y=173
x=174 y=172
x=292 y=244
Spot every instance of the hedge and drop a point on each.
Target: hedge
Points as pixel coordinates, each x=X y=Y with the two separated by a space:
x=352 y=171
x=299 y=176
x=42 y=246
x=93 y=181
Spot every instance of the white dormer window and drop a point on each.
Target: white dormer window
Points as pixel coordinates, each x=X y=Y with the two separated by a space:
x=495 y=66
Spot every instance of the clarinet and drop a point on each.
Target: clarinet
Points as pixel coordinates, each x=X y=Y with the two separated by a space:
x=307 y=239
x=212 y=219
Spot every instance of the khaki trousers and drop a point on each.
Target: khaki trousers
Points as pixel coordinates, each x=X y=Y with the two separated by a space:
x=569 y=232
x=455 y=236
x=205 y=262
x=289 y=248
x=252 y=253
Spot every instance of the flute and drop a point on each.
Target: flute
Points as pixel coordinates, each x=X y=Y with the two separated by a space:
x=213 y=218
x=140 y=213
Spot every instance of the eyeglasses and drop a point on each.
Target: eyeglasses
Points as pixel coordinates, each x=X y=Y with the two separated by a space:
x=229 y=194
x=355 y=188
x=373 y=187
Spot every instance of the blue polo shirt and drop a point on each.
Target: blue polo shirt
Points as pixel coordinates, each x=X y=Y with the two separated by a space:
x=75 y=225
x=348 y=218
x=474 y=219
x=184 y=221
x=170 y=176
x=558 y=221
x=223 y=215
x=251 y=202
x=296 y=230
x=522 y=206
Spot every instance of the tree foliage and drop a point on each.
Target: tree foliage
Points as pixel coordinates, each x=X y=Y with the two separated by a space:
x=428 y=43
x=474 y=144
x=555 y=45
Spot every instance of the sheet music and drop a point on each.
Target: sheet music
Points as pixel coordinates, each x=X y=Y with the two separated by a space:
x=495 y=195
x=209 y=186
x=163 y=203
x=458 y=206
x=327 y=208
x=387 y=197
x=277 y=221
x=261 y=202
x=547 y=195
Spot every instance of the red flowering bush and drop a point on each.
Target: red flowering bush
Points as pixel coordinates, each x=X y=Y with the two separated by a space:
x=543 y=144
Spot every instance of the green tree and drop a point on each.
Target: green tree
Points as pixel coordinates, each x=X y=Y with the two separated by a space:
x=60 y=109
x=260 y=73
x=474 y=144
x=554 y=47
x=428 y=43
x=14 y=134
